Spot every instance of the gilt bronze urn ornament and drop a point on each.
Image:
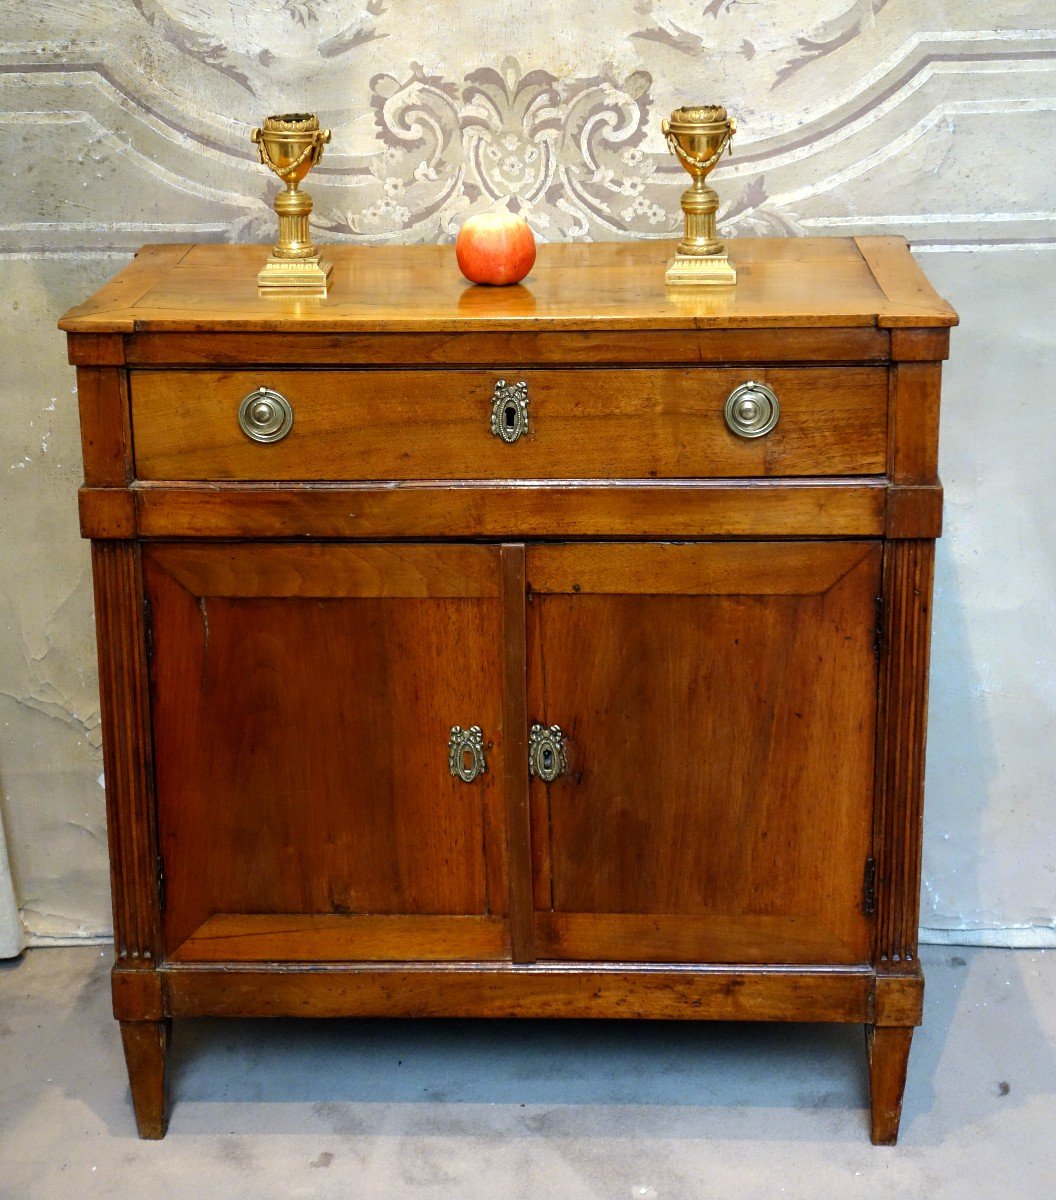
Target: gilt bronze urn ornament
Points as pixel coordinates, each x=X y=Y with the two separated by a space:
x=290 y=145
x=698 y=135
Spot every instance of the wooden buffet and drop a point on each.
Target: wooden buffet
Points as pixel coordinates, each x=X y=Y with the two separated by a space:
x=549 y=651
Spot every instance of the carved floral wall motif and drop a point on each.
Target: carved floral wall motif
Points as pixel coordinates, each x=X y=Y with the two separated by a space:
x=565 y=154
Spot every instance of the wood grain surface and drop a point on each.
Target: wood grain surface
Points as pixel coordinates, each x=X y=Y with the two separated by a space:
x=679 y=937
x=909 y=568
x=703 y=710
x=436 y=424
x=106 y=441
x=524 y=345
x=127 y=752
x=512 y=509
x=595 y=990
x=782 y=282
x=888 y=1062
x=301 y=735
x=330 y=937
x=146 y=1046
x=515 y=752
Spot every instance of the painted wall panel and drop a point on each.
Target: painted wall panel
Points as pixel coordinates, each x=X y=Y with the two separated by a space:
x=127 y=121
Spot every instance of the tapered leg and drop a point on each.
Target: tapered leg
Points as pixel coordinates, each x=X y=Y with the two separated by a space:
x=888 y=1059
x=146 y=1056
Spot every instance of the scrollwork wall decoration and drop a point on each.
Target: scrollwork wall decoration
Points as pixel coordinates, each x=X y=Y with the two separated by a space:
x=566 y=155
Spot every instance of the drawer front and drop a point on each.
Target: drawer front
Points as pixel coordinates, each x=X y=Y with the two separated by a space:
x=581 y=424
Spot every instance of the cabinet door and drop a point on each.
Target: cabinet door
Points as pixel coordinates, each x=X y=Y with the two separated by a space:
x=719 y=707
x=303 y=699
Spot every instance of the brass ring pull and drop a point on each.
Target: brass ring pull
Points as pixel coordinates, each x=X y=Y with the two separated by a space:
x=752 y=410
x=465 y=753
x=265 y=415
x=509 y=410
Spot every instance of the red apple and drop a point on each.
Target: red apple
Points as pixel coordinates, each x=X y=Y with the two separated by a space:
x=495 y=247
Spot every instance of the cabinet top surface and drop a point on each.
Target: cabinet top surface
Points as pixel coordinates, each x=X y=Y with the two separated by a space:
x=782 y=282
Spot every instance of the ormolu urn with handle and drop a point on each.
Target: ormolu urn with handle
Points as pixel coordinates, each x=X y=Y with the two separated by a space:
x=698 y=135
x=290 y=145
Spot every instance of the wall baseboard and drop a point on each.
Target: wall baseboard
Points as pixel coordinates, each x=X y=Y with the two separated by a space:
x=1011 y=937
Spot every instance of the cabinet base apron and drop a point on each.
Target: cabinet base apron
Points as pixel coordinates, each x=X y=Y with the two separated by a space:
x=888 y=1005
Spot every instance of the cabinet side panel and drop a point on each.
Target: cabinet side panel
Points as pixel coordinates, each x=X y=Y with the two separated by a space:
x=102 y=396
x=123 y=694
x=903 y=718
x=913 y=423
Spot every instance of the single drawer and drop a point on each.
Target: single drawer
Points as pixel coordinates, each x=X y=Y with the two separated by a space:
x=508 y=424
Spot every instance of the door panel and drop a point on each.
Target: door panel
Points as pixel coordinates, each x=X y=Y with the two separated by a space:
x=303 y=698
x=719 y=704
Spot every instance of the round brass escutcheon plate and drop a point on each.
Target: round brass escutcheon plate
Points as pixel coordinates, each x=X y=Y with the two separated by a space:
x=265 y=415
x=752 y=410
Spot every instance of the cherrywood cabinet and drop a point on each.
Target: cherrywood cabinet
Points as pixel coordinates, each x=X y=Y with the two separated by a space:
x=557 y=650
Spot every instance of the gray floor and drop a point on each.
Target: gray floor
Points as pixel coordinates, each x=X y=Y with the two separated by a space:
x=507 y=1110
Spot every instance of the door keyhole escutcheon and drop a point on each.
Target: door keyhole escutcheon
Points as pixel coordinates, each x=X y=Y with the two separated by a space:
x=465 y=753
x=546 y=752
x=509 y=410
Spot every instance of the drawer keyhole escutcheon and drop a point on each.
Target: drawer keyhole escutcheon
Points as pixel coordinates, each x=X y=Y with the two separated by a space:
x=465 y=753
x=752 y=410
x=546 y=752
x=509 y=410
x=265 y=415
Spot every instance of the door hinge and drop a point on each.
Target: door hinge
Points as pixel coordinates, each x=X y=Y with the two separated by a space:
x=160 y=877
x=878 y=632
x=869 y=887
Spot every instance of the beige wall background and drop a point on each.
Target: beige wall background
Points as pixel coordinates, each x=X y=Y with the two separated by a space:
x=127 y=121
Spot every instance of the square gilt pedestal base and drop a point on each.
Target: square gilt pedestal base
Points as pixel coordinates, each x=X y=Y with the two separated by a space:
x=295 y=276
x=707 y=270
